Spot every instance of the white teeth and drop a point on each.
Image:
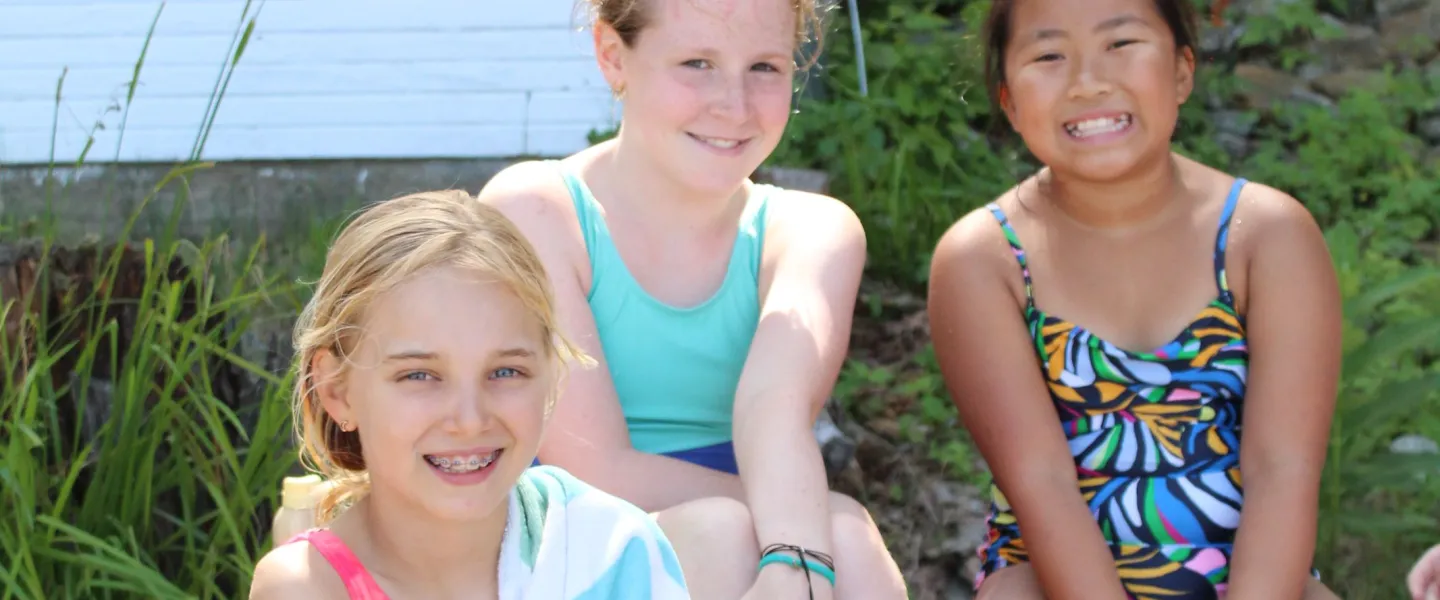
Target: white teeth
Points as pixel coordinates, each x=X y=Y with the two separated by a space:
x=719 y=143
x=463 y=464
x=1091 y=127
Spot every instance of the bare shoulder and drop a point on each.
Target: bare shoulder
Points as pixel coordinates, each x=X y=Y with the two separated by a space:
x=531 y=192
x=1270 y=209
x=974 y=249
x=808 y=218
x=535 y=197
x=295 y=571
x=1274 y=241
x=1268 y=220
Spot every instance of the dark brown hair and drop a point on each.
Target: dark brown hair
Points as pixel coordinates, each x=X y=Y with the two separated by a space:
x=1179 y=15
x=628 y=17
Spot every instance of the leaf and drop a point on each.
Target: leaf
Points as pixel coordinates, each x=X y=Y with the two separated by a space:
x=1390 y=471
x=1374 y=296
x=1392 y=402
x=1344 y=244
x=1395 y=339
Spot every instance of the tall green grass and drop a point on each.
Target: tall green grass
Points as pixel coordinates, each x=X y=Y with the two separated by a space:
x=140 y=449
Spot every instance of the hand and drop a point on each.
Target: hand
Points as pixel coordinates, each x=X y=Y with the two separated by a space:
x=1424 y=579
x=781 y=582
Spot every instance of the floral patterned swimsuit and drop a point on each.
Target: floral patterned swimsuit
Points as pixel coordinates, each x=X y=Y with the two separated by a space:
x=1155 y=437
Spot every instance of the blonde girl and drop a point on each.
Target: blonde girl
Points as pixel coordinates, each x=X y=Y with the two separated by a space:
x=719 y=308
x=429 y=361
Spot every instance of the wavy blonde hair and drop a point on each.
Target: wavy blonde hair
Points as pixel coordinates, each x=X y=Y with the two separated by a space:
x=629 y=17
x=385 y=245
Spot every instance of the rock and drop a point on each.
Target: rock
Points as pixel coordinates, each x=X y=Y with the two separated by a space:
x=1232 y=130
x=971 y=567
x=958 y=590
x=885 y=427
x=1356 y=47
x=874 y=453
x=1413 y=34
x=1238 y=122
x=1335 y=85
x=1216 y=40
x=1430 y=130
x=1414 y=444
x=969 y=534
x=807 y=180
x=836 y=448
x=1252 y=8
x=1261 y=86
x=1386 y=8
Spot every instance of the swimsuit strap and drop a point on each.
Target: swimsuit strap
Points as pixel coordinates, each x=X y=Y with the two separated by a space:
x=359 y=585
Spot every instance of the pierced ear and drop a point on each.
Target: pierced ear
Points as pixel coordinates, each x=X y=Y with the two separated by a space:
x=327 y=377
x=1184 y=74
x=609 y=48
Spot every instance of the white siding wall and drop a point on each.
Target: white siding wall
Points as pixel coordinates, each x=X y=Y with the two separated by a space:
x=319 y=79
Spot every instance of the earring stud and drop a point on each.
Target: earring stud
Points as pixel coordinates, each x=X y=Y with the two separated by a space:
x=345 y=426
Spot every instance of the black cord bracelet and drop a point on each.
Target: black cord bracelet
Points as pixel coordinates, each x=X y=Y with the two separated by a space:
x=801 y=553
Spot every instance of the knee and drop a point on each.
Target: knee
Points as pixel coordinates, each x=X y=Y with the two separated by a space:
x=707 y=522
x=852 y=528
x=842 y=504
x=850 y=518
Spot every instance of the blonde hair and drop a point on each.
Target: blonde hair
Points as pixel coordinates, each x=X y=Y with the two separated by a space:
x=628 y=17
x=382 y=247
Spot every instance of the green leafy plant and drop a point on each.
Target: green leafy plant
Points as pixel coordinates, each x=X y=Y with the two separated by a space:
x=141 y=449
x=912 y=155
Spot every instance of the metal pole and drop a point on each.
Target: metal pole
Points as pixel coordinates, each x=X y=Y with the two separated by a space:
x=859 y=48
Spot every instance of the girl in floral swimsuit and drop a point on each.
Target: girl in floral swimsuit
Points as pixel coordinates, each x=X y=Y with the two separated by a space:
x=1063 y=298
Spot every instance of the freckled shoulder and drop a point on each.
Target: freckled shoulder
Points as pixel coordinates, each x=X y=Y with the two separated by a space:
x=799 y=218
x=533 y=195
x=530 y=191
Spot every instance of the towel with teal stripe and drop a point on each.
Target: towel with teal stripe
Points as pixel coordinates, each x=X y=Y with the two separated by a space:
x=569 y=541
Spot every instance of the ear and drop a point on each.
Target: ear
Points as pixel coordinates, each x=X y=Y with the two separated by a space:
x=330 y=389
x=1007 y=104
x=609 y=52
x=1184 y=74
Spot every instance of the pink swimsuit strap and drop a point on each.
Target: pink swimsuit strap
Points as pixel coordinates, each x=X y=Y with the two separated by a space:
x=358 y=582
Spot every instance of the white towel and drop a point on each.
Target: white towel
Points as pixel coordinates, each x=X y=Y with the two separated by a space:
x=566 y=540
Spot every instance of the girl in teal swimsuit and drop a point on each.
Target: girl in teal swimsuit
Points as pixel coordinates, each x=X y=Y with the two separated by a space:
x=1116 y=442
x=719 y=309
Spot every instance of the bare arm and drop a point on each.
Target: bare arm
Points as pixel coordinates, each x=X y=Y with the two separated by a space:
x=1294 y=332
x=587 y=435
x=989 y=365
x=817 y=248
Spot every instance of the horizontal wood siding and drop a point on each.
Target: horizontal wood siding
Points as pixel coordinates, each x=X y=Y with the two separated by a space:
x=319 y=79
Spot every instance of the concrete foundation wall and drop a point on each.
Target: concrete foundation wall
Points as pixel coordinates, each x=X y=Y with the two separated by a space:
x=279 y=199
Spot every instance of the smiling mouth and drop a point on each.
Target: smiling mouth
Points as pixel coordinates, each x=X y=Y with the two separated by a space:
x=1099 y=126
x=465 y=463
x=719 y=143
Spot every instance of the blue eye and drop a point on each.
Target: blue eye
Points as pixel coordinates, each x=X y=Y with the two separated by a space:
x=766 y=67
x=504 y=372
x=698 y=63
x=414 y=376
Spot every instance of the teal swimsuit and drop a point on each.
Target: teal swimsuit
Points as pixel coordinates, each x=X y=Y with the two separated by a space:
x=675 y=369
